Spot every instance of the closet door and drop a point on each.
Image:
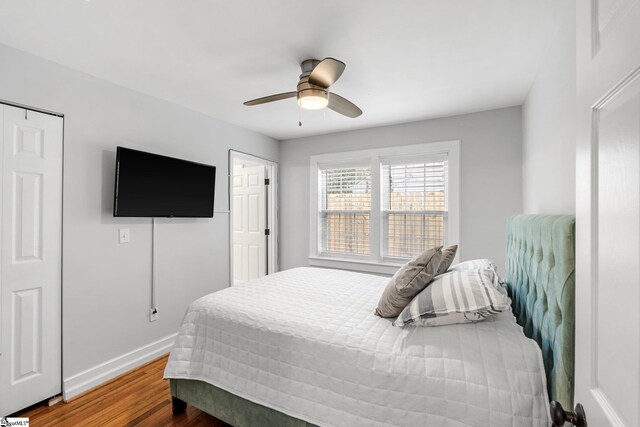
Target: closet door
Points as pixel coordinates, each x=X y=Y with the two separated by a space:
x=30 y=257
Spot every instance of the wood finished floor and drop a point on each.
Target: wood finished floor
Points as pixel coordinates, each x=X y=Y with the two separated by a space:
x=138 y=398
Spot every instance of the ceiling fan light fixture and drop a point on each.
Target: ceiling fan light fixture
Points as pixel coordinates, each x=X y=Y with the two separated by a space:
x=313 y=99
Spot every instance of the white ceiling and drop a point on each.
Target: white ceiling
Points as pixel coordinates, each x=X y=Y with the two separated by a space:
x=406 y=60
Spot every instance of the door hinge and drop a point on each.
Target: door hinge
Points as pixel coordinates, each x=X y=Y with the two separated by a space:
x=267 y=232
x=266 y=181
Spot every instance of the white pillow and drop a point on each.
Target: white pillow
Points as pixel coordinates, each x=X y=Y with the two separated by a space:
x=458 y=296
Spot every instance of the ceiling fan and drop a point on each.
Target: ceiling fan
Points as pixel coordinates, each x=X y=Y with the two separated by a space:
x=313 y=88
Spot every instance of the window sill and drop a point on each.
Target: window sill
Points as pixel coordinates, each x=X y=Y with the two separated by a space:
x=363 y=266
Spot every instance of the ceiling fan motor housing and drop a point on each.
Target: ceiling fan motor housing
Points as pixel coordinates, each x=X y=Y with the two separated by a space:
x=304 y=87
x=308 y=89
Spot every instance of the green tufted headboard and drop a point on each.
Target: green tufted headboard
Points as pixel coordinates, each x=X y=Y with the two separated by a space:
x=541 y=282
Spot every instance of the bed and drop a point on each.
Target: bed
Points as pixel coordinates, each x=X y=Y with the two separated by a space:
x=303 y=348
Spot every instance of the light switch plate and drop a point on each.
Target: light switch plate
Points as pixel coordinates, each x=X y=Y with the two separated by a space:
x=123 y=235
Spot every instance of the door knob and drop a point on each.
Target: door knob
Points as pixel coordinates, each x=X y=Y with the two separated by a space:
x=559 y=416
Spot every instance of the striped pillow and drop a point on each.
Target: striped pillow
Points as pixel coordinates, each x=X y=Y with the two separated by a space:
x=458 y=296
x=474 y=264
x=482 y=264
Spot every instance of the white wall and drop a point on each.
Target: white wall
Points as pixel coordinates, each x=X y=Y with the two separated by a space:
x=106 y=286
x=548 y=123
x=491 y=177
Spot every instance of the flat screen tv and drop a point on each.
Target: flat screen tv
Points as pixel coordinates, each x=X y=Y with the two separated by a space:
x=150 y=185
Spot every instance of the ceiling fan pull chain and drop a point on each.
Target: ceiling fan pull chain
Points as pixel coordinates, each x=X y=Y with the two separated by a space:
x=299 y=116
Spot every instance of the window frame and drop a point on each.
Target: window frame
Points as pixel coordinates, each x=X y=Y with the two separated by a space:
x=375 y=263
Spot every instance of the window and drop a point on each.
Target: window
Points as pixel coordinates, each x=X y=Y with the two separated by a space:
x=373 y=210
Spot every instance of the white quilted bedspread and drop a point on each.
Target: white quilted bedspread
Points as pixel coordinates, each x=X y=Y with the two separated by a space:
x=306 y=342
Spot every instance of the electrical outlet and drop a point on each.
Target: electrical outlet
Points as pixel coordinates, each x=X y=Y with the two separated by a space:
x=123 y=235
x=153 y=314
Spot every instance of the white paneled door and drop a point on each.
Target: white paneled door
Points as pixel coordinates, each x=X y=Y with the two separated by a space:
x=608 y=212
x=249 y=223
x=30 y=253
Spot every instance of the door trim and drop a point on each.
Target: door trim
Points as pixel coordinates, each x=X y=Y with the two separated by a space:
x=272 y=208
x=27 y=107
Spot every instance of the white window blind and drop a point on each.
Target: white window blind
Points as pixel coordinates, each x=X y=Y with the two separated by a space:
x=414 y=206
x=344 y=211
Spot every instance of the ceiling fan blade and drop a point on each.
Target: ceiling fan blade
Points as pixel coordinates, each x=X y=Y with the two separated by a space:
x=343 y=106
x=327 y=72
x=271 y=98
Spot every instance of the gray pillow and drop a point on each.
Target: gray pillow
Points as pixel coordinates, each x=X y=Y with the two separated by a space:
x=408 y=281
x=448 y=254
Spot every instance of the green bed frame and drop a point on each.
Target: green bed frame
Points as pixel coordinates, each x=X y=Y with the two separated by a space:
x=540 y=278
x=227 y=406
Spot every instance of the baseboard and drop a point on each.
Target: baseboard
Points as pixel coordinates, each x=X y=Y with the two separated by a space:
x=102 y=373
